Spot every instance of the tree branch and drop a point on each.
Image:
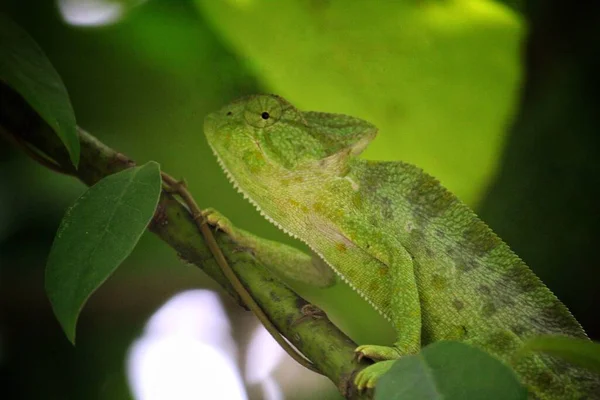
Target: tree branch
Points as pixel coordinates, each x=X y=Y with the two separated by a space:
x=330 y=350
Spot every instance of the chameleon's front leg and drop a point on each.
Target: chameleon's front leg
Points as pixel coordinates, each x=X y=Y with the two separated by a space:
x=405 y=310
x=284 y=261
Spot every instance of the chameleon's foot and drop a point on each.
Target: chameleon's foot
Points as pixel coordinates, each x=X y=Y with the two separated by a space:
x=218 y=220
x=367 y=378
x=221 y=223
x=376 y=353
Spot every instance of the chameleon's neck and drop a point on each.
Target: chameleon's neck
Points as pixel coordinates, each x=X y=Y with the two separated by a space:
x=289 y=196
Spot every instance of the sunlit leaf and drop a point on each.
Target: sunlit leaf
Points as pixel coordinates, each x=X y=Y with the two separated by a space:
x=577 y=351
x=96 y=234
x=450 y=371
x=439 y=78
x=25 y=68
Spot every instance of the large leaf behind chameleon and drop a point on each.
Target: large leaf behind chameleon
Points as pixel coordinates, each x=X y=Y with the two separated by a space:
x=439 y=78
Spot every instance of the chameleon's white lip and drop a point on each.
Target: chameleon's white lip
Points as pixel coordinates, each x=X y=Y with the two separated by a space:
x=271 y=220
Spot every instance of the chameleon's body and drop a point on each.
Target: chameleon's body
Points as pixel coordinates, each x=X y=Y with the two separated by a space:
x=408 y=246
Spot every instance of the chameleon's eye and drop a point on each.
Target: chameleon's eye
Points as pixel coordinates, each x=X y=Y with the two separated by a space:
x=263 y=111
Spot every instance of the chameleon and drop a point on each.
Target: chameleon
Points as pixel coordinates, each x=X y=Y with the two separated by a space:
x=417 y=254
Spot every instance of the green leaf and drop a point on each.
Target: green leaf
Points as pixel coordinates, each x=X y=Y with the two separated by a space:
x=25 y=68
x=577 y=351
x=439 y=78
x=450 y=371
x=96 y=234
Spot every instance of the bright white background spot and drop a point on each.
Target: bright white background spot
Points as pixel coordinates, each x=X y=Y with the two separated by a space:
x=94 y=12
x=186 y=352
x=264 y=355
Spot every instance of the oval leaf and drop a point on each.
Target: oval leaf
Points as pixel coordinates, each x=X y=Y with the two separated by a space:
x=25 y=68
x=577 y=351
x=96 y=234
x=450 y=370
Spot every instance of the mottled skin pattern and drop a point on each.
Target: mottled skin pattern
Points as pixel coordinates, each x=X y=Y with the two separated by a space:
x=407 y=245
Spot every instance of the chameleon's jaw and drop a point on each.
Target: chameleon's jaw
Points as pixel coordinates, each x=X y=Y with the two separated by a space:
x=238 y=188
x=211 y=129
x=230 y=176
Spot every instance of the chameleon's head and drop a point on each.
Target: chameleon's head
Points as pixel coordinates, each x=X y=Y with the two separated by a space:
x=263 y=134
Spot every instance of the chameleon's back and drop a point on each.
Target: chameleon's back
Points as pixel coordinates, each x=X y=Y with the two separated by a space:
x=476 y=289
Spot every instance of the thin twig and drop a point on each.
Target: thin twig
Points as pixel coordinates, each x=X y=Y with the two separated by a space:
x=181 y=189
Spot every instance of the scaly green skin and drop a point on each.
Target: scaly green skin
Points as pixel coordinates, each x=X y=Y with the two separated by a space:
x=415 y=252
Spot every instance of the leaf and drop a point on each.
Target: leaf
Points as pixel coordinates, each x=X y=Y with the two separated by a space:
x=577 y=351
x=25 y=68
x=439 y=78
x=96 y=234
x=450 y=371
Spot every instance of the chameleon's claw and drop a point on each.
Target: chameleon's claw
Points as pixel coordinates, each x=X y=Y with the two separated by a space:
x=363 y=382
x=200 y=217
x=377 y=353
x=358 y=355
x=214 y=218
x=368 y=377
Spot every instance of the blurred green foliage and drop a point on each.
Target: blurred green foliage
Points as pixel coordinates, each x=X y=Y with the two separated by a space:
x=436 y=77
x=442 y=80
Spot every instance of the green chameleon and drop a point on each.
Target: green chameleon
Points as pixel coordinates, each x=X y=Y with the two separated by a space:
x=408 y=246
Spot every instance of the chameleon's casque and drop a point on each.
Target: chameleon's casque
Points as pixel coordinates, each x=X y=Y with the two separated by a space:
x=409 y=247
